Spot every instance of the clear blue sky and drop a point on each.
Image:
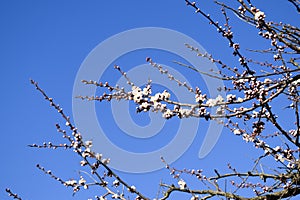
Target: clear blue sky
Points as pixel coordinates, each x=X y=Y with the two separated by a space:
x=49 y=40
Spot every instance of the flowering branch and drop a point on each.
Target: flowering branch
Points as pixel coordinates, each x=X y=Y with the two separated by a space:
x=89 y=158
x=14 y=196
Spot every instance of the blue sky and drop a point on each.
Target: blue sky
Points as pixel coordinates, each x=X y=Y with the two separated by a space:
x=49 y=40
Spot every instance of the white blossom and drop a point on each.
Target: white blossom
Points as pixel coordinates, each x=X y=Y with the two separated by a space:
x=105 y=161
x=168 y=114
x=157 y=106
x=98 y=156
x=116 y=183
x=166 y=95
x=293 y=132
x=202 y=111
x=231 y=97
x=240 y=99
x=277 y=148
x=200 y=98
x=132 y=188
x=242 y=10
x=219 y=99
x=237 y=132
x=155 y=98
x=214 y=102
x=75 y=144
x=185 y=113
x=70 y=183
x=137 y=94
x=279 y=157
x=196 y=197
x=138 y=97
x=211 y=102
x=259 y=144
x=291 y=165
x=255 y=114
x=267 y=149
x=220 y=110
x=81 y=181
x=86 y=154
x=145 y=106
x=182 y=184
x=136 y=90
x=147 y=90
x=296 y=82
x=259 y=15
x=89 y=143
x=83 y=163
x=267 y=81
x=266 y=188
x=248 y=138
